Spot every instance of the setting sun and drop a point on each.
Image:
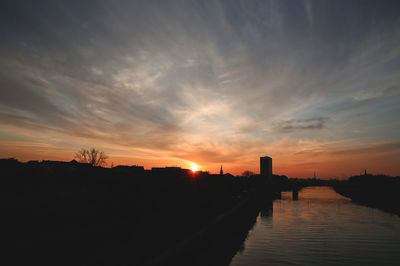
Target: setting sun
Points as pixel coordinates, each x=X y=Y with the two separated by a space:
x=195 y=168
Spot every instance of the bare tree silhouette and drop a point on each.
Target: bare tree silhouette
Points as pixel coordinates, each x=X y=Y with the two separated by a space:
x=91 y=156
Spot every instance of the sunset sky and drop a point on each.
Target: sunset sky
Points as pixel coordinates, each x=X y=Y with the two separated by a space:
x=313 y=84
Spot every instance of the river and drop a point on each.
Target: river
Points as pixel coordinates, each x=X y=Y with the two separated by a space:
x=321 y=228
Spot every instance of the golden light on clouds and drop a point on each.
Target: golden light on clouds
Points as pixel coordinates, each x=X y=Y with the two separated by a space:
x=204 y=88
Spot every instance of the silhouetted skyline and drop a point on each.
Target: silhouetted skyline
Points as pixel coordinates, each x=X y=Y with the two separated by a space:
x=313 y=84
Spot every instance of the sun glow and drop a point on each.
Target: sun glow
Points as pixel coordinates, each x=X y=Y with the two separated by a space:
x=195 y=168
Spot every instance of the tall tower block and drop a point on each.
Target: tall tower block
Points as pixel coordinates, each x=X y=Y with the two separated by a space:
x=266 y=167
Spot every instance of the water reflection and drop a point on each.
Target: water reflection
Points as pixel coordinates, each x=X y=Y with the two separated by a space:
x=321 y=228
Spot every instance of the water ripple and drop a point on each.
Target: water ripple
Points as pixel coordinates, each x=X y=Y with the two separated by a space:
x=322 y=228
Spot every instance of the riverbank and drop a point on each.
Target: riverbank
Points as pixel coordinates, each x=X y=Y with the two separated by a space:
x=217 y=242
x=374 y=191
x=64 y=213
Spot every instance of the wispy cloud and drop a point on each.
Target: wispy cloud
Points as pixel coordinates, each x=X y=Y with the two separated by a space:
x=300 y=124
x=375 y=93
x=214 y=80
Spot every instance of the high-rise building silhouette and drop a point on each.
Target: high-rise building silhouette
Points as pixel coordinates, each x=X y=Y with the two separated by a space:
x=220 y=171
x=266 y=167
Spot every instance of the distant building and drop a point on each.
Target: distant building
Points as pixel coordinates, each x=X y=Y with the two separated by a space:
x=169 y=170
x=220 y=171
x=129 y=169
x=71 y=164
x=266 y=167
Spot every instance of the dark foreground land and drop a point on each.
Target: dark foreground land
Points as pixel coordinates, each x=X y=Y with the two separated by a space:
x=377 y=191
x=66 y=213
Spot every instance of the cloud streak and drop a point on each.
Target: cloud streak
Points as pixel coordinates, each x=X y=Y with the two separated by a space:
x=301 y=124
x=208 y=81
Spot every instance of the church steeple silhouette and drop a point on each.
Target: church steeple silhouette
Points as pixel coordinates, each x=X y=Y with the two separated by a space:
x=220 y=171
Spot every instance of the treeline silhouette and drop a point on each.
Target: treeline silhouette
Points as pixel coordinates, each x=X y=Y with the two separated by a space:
x=378 y=191
x=68 y=212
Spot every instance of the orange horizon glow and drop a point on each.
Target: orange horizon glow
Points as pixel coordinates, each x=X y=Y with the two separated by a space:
x=325 y=103
x=290 y=157
x=327 y=164
x=194 y=168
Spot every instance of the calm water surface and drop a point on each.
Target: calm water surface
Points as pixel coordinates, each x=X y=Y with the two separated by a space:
x=321 y=228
